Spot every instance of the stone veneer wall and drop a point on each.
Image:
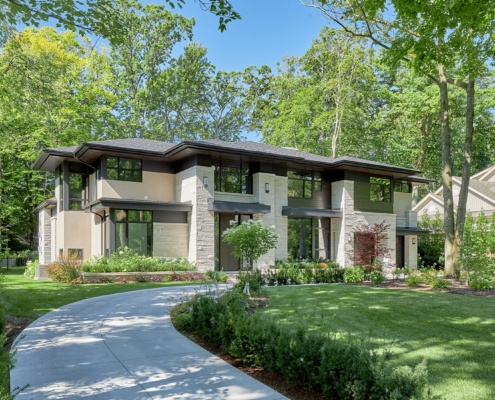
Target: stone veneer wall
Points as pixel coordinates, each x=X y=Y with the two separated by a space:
x=281 y=221
x=411 y=252
x=45 y=236
x=260 y=196
x=343 y=229
x=189 y=187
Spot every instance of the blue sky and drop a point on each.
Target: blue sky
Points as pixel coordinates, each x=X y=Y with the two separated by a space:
x=268 y=30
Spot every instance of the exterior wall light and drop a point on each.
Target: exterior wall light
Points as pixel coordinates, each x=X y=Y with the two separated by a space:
x=413 y=240
x=267 y=187
x=205 y=181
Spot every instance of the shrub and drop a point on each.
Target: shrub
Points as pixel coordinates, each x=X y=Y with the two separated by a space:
x=343 y=368
x=353 y=275
x=253 y=278
x=413 y=281
x=481 y=281
x=66 y=269
x=127 y=261
x=217 y=276
x=30 y=270
x=377 y=277
x=439 y=284
x=431 y=246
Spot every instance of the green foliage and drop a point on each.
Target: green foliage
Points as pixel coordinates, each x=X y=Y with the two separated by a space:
x=354 y=274
x=303 y=272
x=479 y=282
x=128 y=261
x=251 y=239
x=254 y=279
x=30 y=270
x=413 y=281
x=377 y=277
x=341 y=368
x=217 y=276
x=439 y=283
x=431 y=247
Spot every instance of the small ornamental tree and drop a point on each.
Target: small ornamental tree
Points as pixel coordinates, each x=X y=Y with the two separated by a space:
x=369 y=245
x=251 y=240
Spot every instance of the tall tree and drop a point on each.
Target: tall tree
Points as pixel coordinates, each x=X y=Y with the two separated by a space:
x=53 y=93
x=318 y=100
x=433 y=38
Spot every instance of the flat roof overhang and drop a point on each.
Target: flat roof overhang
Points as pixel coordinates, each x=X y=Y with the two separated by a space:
x=238 y=208
x=47 y=204
x=129 y=204
x=311 y=212
x=411 y=232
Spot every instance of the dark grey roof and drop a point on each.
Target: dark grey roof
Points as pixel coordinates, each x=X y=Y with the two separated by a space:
x=90 y=151
x=138 y=144
x=294 y=153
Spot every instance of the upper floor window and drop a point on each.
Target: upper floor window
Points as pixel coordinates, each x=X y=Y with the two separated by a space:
x=233 y=178
x=302 y=184
x=124 y=169
x=78 y=191
x=402 y=187
x=380 y=189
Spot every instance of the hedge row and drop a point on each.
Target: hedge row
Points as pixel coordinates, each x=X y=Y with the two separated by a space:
x=339 y=368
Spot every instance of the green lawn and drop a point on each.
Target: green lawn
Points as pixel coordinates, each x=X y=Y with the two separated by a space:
x=456 y=333
x=27 y=298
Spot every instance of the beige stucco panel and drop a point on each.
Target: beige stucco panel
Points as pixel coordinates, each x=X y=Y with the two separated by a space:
x=76 y=231
x=156 y=186
x=402 y=203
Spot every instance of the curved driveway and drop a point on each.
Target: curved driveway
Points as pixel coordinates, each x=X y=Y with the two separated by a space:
x=123 y=346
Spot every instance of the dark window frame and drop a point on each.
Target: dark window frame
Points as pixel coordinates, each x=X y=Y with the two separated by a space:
x=240 y=171
x=380 y=189
x=122 y=173
x=402 y=187
x=129 y=218
x=310 y=181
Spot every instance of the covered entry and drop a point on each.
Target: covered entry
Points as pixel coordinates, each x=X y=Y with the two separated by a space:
x=224 y=213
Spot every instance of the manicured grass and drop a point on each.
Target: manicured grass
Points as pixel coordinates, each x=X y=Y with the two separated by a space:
x=456 y=333
x=27 y=298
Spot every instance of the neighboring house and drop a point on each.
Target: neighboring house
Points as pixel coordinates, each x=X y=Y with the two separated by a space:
x=175 y=200
x=481 y=195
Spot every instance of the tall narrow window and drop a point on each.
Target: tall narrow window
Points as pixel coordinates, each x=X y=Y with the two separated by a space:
x=124 y=169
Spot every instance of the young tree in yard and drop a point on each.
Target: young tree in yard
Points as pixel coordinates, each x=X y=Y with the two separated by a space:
x=451 y=42
x=251 y=240
x=370 y=245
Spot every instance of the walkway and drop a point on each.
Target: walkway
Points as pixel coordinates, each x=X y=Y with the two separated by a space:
x=123 y=346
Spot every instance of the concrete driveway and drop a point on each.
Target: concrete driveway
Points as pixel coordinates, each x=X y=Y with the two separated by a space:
x=123 y=346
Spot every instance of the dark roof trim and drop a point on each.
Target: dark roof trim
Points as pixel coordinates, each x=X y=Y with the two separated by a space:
x=418 y=179
x=311 y=212
x=144 y=205
x=48 y=203
x=63 y=152
x=343 y=162
x=238 y=208
x=411 y=231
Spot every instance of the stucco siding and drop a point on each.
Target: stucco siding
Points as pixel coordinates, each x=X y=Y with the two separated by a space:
x=156 y=186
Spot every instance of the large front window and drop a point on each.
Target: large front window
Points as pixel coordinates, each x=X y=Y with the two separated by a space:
x=124 y=169
x=231 y=178
x=134 y=229
x=302 y=184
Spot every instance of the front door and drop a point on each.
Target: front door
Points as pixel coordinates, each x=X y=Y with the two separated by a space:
x=399 y=251
x=225 y=259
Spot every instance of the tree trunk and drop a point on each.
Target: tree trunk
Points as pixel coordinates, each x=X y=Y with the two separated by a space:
x=466 y=167
x=446 y=173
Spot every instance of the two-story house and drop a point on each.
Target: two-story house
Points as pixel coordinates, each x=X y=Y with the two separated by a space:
x=175 y=200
